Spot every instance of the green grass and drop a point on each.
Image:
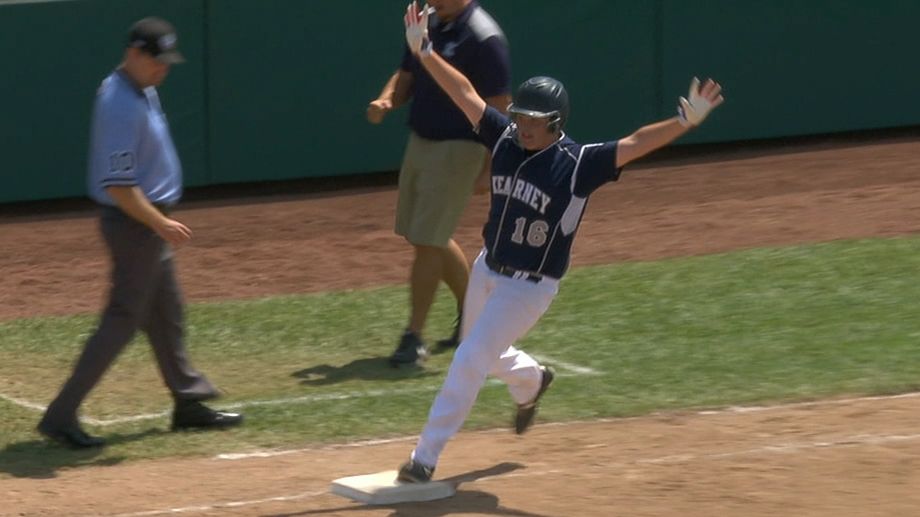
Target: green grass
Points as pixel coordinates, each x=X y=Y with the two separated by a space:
x=759 y=326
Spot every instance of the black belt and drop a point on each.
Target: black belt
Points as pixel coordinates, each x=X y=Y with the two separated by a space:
x=510 y=272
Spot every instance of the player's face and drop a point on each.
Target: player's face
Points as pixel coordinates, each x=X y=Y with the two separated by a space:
x=448 y=9
x=533 y=132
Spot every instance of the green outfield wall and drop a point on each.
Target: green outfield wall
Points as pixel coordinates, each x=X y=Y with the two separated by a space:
x=53 y=56
x=277 y=89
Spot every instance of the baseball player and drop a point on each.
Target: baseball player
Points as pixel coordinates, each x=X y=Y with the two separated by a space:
x=541 y=180
x=136 y=178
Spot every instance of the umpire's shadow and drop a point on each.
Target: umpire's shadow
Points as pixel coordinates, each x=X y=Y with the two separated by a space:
x=368 y=369
x=465 y=502
x=41 y=459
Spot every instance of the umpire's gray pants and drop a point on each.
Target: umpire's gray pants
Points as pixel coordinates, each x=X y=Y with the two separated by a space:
x=144 y=295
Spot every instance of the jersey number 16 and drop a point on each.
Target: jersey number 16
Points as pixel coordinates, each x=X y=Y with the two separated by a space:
x=536 y=234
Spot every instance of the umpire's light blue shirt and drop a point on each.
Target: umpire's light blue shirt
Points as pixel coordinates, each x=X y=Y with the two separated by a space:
x=130 y=144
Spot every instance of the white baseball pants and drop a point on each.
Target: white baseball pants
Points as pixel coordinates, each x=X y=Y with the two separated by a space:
x=497 y=311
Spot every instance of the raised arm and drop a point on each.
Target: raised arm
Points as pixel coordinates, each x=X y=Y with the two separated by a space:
x=692 y=110
x=454 y=83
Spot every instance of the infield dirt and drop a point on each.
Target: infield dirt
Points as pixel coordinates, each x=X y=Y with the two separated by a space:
x=853 y=458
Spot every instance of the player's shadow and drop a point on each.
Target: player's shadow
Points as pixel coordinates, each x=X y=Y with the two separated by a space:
x=463 y=502
x=41 y=459
x=368 y=369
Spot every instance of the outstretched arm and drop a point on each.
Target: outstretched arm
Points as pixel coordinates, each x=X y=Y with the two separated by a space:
x=454 y=83
x=692 y=110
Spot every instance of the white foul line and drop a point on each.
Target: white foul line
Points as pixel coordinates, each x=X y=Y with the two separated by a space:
x=306 y=399
x=852 y=441
x=231 y=504
x=23 y=403
x=580 y=370
x=708 y=412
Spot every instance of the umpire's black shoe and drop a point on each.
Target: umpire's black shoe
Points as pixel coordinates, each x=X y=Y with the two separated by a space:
x=70 y=436
x=454 y=338
x=411 y=350
x=414 y=472
x=191 y=414
x=525 y=412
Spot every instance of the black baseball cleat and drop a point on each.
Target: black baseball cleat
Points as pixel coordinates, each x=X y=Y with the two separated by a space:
x=191 y=414
x=525 y=412
x=71 y=436
x=411 y=350
x=454 y=338
x=414 y=472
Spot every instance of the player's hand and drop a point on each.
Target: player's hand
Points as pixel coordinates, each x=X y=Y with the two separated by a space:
x=694 y=108
x=377 y=110
x=417 y=29
x=173 y=231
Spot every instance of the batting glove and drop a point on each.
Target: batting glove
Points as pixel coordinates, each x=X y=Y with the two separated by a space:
x=694 y=108
x=417 y=29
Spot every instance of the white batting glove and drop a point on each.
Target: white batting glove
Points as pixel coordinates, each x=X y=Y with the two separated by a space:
x=417 y=29
x=694 y=108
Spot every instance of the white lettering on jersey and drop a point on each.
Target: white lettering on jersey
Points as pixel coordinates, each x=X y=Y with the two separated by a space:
x=518 y=189
x=501 y=185
x=521 y=190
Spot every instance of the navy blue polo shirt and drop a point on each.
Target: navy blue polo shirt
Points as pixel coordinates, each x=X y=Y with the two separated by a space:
x=476 y=46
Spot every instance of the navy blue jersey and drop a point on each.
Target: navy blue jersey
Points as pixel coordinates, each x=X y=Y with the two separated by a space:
x=474 y=44
x=538 y=197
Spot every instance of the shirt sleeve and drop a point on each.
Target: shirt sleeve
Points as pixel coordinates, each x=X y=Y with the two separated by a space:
x=491 y=127
x=491 y=74
x=116 y=135
x=597 y=165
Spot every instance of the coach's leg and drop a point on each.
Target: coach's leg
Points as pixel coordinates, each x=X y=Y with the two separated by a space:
x=456 y=272
x=427 y=270
x=464 y=163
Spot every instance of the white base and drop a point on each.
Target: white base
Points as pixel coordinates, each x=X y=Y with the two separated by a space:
x=382 y=488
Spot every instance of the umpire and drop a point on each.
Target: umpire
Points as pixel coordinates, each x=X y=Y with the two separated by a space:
x=136 y=178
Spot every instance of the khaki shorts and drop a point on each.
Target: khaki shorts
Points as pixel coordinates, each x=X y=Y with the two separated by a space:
x=435 y=185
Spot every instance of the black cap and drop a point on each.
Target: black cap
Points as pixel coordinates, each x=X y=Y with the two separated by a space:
x=156 y=37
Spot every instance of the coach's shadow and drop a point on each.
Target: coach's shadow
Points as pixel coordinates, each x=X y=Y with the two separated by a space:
x=368 y=369
x=41 y=459
x=463 y=502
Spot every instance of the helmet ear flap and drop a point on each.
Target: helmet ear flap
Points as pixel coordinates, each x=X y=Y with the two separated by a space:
x=555 y=124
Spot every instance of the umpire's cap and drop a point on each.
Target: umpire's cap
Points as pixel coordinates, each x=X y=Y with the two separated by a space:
x=542 y=97
x=157 y=37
